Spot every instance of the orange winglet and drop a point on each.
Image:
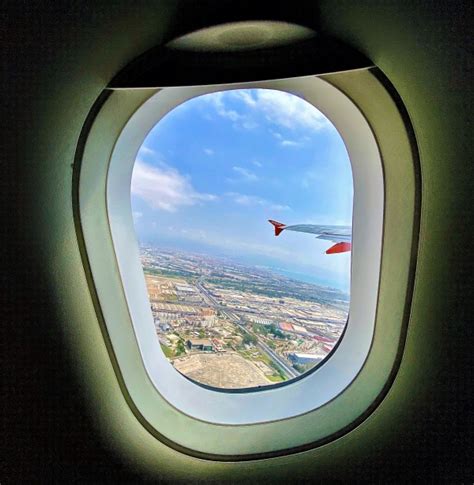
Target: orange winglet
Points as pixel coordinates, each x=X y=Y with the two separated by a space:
x=278 y=226
x=341 y=247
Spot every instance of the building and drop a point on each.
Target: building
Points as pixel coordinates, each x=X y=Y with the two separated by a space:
x=300 y=358
x=200 y=344
x=286 y=327
x=324 y=340
x=185 y=288
x=299 y=329
x=208 y=317
x=260 y=320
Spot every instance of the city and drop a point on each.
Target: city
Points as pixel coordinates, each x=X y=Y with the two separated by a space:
x=227 y=325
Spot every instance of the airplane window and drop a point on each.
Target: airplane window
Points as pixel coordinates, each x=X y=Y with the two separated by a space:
x=242 y=205
x=249 y=235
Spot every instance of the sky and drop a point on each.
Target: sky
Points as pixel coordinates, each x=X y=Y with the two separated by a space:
x=211 y=173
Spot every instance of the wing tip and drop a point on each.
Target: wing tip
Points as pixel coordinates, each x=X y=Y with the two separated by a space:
x=277 y=225
x=340 y=247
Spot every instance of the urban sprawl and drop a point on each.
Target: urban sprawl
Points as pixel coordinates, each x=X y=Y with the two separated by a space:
x=228 y=325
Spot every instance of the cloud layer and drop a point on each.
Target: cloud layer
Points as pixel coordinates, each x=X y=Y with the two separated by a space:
x=246 y=174
x=283 y=109
x=164 y=188
x=277 y=107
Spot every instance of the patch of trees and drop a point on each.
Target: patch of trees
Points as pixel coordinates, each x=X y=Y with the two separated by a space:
x=180 y=349
x=249 y=339
x=272 y=329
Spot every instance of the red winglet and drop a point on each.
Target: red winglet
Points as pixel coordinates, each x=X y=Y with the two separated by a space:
x=340 y=247
x=278 y=226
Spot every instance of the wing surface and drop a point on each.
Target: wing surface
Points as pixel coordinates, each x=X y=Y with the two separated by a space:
x=329 y=233
x=341 y=235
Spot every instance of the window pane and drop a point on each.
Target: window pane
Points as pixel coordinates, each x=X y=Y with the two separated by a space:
x=242 y=203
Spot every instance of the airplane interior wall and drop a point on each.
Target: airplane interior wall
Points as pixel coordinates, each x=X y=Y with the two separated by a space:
x=63 y=415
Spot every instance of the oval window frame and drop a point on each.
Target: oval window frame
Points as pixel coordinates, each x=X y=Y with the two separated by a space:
x=220 y=437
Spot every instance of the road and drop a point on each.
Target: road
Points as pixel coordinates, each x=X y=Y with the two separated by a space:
x=289 y=371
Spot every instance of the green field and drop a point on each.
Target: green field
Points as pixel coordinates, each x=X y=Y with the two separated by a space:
x=167 y=351
x=275 y=378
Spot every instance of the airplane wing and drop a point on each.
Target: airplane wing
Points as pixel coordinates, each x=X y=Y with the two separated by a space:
x=341 y=235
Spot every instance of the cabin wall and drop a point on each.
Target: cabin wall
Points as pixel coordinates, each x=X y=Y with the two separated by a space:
x=63 y=415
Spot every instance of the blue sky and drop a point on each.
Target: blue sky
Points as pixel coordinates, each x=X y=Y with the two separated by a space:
x=213 y=170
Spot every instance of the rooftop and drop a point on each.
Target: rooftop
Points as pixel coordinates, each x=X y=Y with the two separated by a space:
x=200 y=341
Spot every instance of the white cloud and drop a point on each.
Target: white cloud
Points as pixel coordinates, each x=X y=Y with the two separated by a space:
x=285 y=109
x=278 y=107
x=257 y=163
x=216 y=99
x=253 y=200
x=244 y=96
x=290 y=143
x=137 y=215
x=164 y=188
x=248 y=125
x=230 y=114
x=246 y=174
x=209 y=151
x=146 y=151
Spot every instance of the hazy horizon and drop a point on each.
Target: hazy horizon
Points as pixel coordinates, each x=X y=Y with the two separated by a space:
x=289 y=273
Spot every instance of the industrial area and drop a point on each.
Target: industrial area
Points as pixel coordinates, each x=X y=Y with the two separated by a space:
x=226 y=325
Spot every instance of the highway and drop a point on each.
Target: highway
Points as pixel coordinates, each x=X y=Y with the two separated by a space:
x=289 y=371
x=274 y=356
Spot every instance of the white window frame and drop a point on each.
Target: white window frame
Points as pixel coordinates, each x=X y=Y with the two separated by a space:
x=200 y=419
